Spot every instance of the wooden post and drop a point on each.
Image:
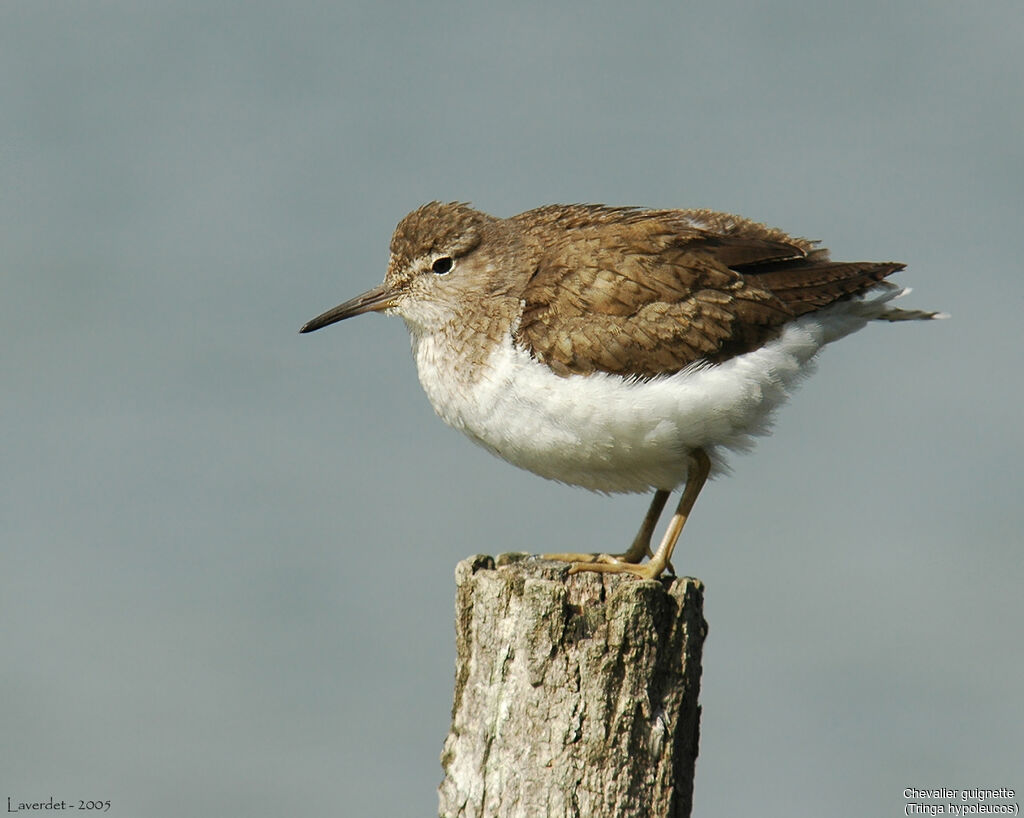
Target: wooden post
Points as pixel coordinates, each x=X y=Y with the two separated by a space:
x=575 y=696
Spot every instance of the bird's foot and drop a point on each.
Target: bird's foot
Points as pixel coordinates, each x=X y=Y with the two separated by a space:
x=627 y=558
x=646 y=570
x=628 y=563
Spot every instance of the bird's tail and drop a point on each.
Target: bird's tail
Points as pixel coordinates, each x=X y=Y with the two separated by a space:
x=850 y=315
x=886 y=291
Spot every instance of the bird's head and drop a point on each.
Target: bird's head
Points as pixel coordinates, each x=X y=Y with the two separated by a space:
x=436 y=267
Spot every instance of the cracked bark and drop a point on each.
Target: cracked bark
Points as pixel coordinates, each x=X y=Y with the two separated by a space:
x=574 y=696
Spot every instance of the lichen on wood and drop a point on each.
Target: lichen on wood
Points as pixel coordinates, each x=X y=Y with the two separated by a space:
x=575 y=696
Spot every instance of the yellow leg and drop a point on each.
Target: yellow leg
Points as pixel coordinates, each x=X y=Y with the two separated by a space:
x=700 y=467
x=641 y=546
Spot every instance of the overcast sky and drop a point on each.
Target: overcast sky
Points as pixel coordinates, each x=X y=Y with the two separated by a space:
x=226 y=551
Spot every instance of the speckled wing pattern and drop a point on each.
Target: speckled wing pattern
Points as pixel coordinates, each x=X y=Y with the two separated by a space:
x=649 y=293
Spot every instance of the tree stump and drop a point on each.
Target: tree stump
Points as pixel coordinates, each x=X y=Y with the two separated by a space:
x=575 y=696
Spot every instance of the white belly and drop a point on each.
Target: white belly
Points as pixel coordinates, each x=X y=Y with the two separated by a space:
x=608 y=434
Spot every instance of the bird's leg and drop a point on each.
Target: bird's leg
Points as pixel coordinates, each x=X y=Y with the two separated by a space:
x=700 y=467
x=641 y=546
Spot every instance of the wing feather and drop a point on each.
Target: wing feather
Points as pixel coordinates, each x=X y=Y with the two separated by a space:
x=649 y=293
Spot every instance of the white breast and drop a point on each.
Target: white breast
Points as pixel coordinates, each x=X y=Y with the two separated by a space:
x=610 y=434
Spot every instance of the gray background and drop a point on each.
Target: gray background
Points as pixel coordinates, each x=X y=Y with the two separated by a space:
x=227 y=550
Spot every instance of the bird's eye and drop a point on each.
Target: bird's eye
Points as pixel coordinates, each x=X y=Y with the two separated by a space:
x=442 y=265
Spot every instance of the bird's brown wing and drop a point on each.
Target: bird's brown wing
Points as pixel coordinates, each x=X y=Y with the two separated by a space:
x=654 y=292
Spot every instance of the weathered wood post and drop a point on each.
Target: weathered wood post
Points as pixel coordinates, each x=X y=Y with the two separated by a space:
x=575 y=696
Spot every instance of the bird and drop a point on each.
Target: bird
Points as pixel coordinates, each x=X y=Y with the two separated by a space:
x=620 y=349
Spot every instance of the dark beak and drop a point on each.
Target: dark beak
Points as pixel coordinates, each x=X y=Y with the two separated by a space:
x=375 y=300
